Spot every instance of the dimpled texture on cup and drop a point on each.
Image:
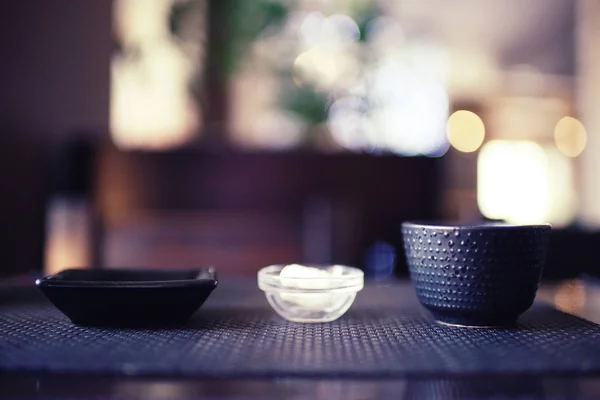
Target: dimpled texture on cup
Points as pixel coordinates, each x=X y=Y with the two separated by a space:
x=476 y=275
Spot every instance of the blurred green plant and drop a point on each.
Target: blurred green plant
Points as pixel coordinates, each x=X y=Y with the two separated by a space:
x=304 y=101
x=241 y=23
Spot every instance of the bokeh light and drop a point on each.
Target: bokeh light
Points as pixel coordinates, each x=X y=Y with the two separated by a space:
x=570 y=136
x=151 y=106
x=350 y=125
x=413 y=124
x=513 y=182
x=410 y=110
x=324 y=68
x=522 y=182
x=335 y=31
x=465 y=131
x=406 y=116
x=570 y=296
x=328 y=58
x=562 y=191
x=153 y=110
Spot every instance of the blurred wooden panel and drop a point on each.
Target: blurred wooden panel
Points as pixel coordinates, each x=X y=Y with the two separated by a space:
x=194 y=179
x=234 y=242
x=335 y=205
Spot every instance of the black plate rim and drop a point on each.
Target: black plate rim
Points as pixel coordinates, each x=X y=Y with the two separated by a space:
x=54 y=281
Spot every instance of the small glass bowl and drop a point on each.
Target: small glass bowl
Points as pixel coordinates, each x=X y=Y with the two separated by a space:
x=311 y=299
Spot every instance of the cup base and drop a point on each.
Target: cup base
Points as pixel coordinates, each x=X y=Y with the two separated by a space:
x=477 y=322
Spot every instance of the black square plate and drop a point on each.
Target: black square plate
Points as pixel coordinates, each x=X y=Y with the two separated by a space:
x=129 y=297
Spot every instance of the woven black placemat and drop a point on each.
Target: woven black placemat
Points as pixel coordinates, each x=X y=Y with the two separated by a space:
x=236 y=335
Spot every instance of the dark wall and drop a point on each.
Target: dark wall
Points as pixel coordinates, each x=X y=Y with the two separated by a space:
x=55 y=66
x=54 y=83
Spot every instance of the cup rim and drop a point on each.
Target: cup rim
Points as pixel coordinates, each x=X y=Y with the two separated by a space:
x=453 y=225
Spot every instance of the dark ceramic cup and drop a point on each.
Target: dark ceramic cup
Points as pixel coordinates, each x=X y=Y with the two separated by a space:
x=475 y=275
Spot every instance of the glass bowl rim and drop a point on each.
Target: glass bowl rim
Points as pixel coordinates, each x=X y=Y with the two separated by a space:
x=352 y=280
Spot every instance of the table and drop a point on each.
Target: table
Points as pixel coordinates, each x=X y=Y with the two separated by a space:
x=578 y=297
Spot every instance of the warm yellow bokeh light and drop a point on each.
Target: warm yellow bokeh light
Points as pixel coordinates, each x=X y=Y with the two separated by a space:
x=465 y=131
x=522 y=182
x=151 y=107
x=513 y=182
x=570 y=296
x=325 y=68
x=570 y=136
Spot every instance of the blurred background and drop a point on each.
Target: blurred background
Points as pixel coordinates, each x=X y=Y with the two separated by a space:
x=236 y=133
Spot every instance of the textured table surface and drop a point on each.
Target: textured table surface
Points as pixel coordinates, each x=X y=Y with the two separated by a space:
x=386 y=334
